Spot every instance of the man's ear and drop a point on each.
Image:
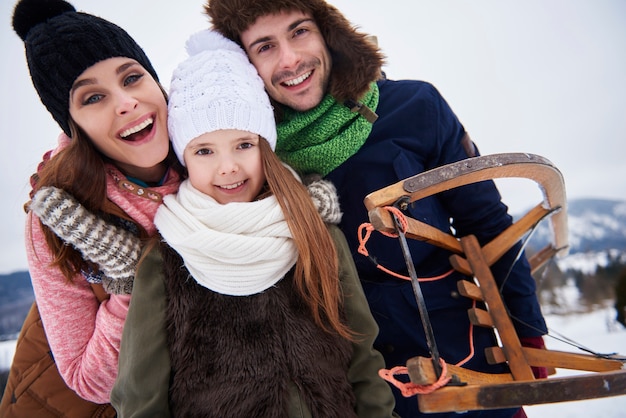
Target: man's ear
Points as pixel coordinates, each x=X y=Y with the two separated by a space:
x=357 y=60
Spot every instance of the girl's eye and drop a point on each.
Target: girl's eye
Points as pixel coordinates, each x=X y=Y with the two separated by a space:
x=133 y=78
x=246 y=145
x=204 y=151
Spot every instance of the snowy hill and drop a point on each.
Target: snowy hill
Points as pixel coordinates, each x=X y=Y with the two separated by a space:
x=595 y=225
x=599 y=332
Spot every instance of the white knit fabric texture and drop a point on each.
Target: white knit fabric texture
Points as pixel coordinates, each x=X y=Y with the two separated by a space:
x=216 y=88
x=237 y=249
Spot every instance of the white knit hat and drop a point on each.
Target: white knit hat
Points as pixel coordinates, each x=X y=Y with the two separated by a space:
x=217 y=88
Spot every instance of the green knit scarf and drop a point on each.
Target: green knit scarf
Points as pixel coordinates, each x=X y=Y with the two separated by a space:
x=321 y=139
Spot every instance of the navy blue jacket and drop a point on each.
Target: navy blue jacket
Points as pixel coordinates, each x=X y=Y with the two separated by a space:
x=417 y=131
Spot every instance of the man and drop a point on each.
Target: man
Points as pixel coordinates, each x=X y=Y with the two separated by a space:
x=316 y=68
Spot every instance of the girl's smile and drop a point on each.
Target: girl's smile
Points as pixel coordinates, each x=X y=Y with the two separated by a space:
x=226 y=165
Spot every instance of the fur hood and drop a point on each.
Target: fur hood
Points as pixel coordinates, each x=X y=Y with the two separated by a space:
x=357 y=61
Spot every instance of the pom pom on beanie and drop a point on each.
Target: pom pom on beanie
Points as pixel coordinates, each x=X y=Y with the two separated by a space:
x=61 y=43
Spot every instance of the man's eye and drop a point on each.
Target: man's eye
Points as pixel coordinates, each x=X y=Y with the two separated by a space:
x=300 y=31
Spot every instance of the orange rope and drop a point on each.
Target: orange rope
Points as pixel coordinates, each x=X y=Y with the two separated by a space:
x=369 y=228
x=471 y=343
x=409 y=389
x=363 y=238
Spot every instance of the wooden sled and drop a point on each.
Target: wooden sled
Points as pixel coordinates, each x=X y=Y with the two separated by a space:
x=599 y=377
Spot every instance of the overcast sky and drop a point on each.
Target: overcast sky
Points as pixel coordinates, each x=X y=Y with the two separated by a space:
x=546 y=77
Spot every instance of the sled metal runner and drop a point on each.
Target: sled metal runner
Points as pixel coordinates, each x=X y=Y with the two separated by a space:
x=599 y=376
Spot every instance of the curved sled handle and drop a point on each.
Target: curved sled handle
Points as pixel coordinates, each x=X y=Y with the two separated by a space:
x=473 y=170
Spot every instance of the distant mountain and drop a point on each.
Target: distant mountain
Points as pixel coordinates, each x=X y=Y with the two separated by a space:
x=16 y=296
x=594 y=225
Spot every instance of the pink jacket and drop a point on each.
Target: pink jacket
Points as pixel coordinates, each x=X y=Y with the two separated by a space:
x=84 y=335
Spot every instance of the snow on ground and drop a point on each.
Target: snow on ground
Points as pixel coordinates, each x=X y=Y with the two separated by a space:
x=7 y=350
x=597 y=331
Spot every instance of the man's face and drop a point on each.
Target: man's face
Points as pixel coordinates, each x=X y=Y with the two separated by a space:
x=291 y=57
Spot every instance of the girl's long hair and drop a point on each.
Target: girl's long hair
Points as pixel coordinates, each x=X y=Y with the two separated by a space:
x=79 y=169
x=316 y=272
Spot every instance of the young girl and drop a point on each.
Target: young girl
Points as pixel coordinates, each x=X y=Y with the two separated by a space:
x=250 y=306
x=114 y=157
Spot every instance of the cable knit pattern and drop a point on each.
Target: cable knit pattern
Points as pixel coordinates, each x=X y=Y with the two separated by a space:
x=249 y=238
x=84 y=335
x=324 y=196
x=215 y=88
x=238 y=249
x=114 y=249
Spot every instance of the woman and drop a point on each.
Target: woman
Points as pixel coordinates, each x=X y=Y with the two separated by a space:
x=115 y=157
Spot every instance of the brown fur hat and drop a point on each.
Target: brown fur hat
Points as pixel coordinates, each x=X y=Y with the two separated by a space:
x=357 y=61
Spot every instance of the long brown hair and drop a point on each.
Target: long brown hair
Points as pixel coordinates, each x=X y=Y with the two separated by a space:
x=317 y=269
x=79 y=169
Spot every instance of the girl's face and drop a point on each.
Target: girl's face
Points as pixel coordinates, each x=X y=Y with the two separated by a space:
x=226 y=165
x=122 y=109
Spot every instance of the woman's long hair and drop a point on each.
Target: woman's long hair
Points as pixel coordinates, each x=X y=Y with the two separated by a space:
x=316 y=272
x=79 y=169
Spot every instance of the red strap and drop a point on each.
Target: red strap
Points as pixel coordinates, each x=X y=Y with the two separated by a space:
x=410 y=389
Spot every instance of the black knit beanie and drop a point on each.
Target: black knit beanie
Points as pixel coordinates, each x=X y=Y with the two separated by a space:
x=61 y=43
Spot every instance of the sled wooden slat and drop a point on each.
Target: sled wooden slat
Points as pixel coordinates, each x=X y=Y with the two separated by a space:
x=514 y=394
x=520 y=369
x=382 y=221
x=422 y=372
x=478 y=391
x=495 y=355
x=541 y=257
x=469 y=290
x=560 y=359
x=480 y=317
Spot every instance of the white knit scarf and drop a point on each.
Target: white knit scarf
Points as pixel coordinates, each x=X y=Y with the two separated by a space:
x=238 y=249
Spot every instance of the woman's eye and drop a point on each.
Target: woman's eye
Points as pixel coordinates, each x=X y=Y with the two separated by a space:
x=203 y=151
x=245 y=145
x=133 y=78
x=95 y=98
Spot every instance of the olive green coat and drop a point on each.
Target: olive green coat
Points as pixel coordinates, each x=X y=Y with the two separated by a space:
x=142 y=386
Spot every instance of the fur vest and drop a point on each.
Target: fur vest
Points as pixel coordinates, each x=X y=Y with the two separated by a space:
x=245 y=356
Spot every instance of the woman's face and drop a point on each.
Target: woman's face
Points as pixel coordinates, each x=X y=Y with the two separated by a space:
x=120 y=106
